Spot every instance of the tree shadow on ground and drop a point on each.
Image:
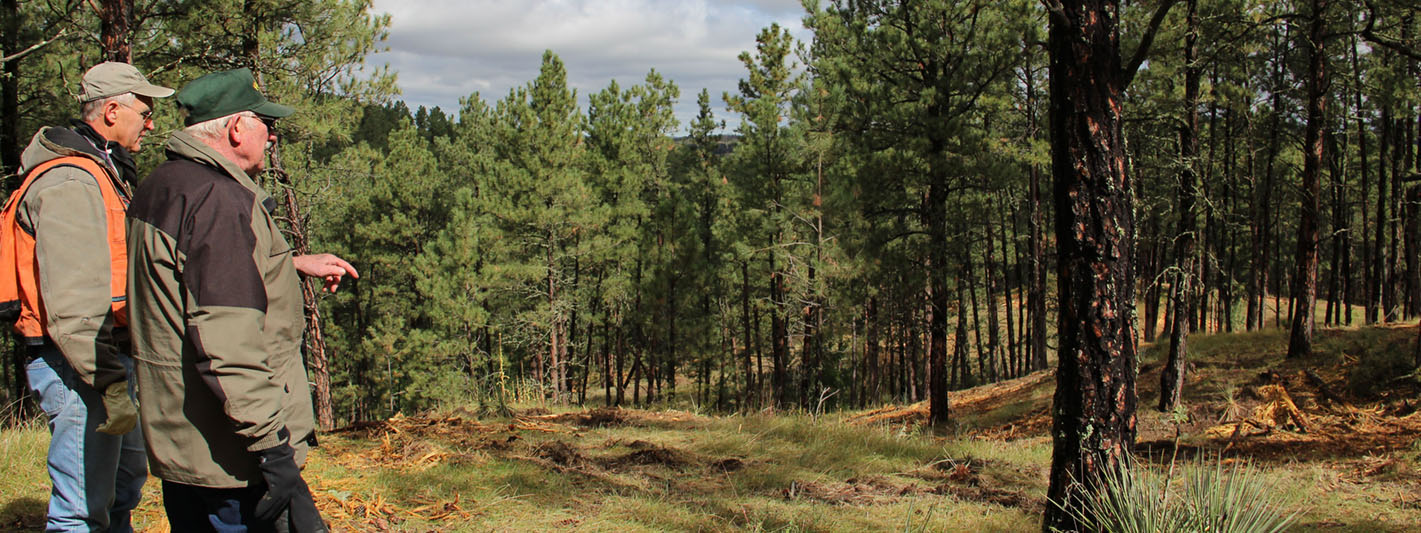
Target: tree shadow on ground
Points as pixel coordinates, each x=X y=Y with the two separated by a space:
x=24 y=514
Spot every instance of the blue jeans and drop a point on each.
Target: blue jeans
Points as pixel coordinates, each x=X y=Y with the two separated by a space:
x=97 y=478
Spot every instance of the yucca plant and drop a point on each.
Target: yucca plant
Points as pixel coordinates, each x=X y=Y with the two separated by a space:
x=1128 y=499
x=1212 y=497
x=1232 y=498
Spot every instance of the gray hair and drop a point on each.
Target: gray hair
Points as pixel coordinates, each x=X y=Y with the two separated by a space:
x=91 y=110
x=214 y=128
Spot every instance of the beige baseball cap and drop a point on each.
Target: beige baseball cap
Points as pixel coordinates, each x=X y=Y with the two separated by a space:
x=112 y=78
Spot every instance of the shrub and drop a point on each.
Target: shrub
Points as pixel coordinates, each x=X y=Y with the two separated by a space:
x=1211 y=497
x=1377 y=369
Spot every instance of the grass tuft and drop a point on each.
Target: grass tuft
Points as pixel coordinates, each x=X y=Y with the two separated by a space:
x=24 y=487
x=1212 y=496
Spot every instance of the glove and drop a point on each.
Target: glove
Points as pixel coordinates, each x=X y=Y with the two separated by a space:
x=286 y=491
x=122 y=410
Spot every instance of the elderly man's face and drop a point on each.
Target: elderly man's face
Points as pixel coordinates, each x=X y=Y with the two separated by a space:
x=253 y=136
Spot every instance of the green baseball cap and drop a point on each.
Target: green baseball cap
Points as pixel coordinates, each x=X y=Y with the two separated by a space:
x=112 y=78
x=225 y=93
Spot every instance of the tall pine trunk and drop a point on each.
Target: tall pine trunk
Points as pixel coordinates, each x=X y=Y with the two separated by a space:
x=1093 y=427
x=748 y=396
x=116 y=30
x=779 y=334
x=1172 y=376
x=1305 y=280
x=1379 y=301
x=1358 y=111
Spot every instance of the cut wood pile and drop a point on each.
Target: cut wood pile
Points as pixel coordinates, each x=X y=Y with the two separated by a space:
x=1282 y=413
x=1301 y=414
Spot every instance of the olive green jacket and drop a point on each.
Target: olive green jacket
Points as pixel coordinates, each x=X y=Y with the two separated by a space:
x=65 y=212
x=215 y=316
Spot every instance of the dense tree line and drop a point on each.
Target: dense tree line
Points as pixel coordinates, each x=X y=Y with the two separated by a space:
x=873 y=229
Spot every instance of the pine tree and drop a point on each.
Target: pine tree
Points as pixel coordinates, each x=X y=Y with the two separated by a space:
x=1093 y=425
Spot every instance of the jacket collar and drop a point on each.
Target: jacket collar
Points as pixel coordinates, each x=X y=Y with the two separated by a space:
x=182 y=145
x=53 y=143
x=114 y=152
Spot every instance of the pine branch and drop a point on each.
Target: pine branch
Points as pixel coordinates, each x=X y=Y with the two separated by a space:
x=1369 y=33
x=34 y=47
x=1127 y=74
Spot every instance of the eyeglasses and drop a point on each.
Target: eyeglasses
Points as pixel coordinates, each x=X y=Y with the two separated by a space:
x=147 y=116
x=269 y=122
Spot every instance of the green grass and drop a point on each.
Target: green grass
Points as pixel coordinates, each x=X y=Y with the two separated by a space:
x=797 y=472
x=24 y=491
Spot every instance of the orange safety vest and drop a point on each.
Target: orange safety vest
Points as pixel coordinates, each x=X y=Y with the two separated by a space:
x=19 y=272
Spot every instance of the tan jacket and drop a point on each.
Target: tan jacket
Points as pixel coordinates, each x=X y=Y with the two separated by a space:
x=64 y=210
x=215 y=315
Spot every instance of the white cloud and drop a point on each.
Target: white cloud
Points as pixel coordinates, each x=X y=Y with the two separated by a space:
x=446 y=49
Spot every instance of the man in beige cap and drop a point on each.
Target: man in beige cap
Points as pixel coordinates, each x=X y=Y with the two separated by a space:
x=70 y=269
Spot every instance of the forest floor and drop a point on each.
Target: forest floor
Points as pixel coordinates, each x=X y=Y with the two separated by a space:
x=1336 y=435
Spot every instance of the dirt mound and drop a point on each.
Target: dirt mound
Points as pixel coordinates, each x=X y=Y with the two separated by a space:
x=854 y=491
x=648 y=454
x=560 y=453
x=728 y=465
x=651 y=456
x=1005 y=498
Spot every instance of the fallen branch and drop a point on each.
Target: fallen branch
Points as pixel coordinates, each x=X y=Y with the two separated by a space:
x=1321 y=386
x=1238 y=429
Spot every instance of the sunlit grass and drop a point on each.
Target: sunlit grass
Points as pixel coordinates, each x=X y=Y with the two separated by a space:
x=788 y=463
x=784 y=457
x=24 y=487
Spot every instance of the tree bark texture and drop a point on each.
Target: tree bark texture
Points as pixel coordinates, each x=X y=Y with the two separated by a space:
x=116 y=30
x=1093 y=426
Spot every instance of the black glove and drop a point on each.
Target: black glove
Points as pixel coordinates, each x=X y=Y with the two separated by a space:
x=286 y=492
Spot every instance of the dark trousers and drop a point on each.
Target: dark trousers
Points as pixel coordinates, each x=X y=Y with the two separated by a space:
x=206 y=509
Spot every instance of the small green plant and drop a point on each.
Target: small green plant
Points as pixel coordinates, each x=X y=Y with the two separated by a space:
x=1378 y=369
x=910 y=527
x=1212 y=497
x=490 y=395
x=1232 y=498
x=1129 y=499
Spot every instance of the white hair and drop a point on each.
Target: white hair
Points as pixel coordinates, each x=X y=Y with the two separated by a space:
x=92 y=110
x=216 y=127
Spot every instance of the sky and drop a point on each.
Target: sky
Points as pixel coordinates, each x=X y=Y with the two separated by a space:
x=445 y=50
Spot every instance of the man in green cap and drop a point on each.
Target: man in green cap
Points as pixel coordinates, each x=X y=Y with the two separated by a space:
x=68 y=271
x=217 y=321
